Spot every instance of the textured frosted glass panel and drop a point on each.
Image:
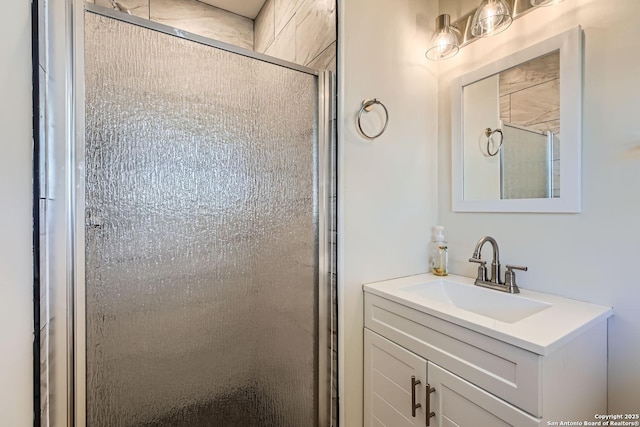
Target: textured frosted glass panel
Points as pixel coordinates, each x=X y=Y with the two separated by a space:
x=201 y=271
x=526 y=159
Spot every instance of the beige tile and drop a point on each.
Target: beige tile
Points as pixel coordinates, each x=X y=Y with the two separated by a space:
x=531 y=73
x=326 y=60
x=284 y=45
x=138 y=8
x=537 y=104
x=505 y=108
x=551 y=125
x=315 y=29
x=202 y=19
x=284 y=11
x=264 y=27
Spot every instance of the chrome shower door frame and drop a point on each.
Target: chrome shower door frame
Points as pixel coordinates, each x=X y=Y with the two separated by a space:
x=63 y=342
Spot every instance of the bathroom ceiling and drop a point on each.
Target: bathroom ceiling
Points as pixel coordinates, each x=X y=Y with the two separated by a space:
x=248 y=8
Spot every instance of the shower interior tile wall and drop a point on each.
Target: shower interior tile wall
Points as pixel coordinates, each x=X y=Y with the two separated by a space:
x=193 y=16
x=300 y=31
x=530 y=96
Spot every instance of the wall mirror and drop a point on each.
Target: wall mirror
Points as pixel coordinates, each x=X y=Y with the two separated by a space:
x=516 y=131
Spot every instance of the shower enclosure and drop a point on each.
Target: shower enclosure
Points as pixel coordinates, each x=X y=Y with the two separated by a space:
x=195 y=287
x=527 y=160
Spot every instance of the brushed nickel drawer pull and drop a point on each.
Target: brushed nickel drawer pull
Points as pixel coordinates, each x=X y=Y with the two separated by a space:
x=414 y=405
x=429 y=412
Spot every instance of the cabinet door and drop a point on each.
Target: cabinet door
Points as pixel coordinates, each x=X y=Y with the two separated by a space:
x=388 y=369
x=458 y=403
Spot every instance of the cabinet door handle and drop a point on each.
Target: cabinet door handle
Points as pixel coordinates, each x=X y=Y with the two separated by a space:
x=414 y=405
x=429 y=412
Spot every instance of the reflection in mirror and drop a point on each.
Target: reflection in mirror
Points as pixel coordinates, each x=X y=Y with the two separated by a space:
x=519 y=158
x=516 y=131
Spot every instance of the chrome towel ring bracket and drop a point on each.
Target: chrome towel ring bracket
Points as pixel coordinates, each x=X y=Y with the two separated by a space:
x=367 y=106
x=489 y=134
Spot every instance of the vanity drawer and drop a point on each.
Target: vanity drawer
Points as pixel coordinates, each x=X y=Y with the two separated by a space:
x=509 y=372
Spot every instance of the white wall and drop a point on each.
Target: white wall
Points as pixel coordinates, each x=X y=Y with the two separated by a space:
x=16 y=288
x=593 y=255
x=387 y=186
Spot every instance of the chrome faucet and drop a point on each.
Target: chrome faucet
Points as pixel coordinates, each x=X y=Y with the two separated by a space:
x=494 y=282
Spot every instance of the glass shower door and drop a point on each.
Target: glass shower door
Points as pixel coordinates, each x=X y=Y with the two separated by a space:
x=201 y=234
x=526 y=163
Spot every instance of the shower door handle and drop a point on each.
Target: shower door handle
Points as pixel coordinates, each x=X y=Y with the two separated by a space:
x=92 y=221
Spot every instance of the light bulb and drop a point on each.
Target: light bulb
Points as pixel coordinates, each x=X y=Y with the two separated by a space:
x=491 y=17
x=444 y=43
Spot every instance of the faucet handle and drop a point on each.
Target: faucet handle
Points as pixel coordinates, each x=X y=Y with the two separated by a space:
x=510 y=277
x=482 y=269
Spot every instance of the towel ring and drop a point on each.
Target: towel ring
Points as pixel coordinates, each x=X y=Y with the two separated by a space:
x=367 y=105
x=489 y=134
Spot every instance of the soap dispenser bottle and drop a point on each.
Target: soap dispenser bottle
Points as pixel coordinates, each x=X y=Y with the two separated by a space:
x=439 y=253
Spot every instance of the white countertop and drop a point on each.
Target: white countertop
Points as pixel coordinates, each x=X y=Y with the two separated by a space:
x=541 y=333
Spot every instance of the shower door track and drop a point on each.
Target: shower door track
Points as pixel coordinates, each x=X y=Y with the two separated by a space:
x=63 y=381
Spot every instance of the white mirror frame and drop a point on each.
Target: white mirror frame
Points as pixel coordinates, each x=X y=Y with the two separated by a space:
x=569 y=44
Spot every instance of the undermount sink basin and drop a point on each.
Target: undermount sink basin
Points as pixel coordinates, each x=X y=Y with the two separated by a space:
x=500 y=306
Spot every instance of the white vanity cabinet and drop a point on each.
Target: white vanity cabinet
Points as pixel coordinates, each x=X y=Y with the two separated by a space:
x=389 y=370
x=477 y=379
x=460 y=403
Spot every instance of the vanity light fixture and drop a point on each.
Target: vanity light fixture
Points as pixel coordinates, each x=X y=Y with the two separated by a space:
x=444 y=43
x=491 y=17
x=544 y=2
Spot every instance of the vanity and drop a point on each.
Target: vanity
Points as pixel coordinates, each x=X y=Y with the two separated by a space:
x=454 y=351
x=440 y=351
